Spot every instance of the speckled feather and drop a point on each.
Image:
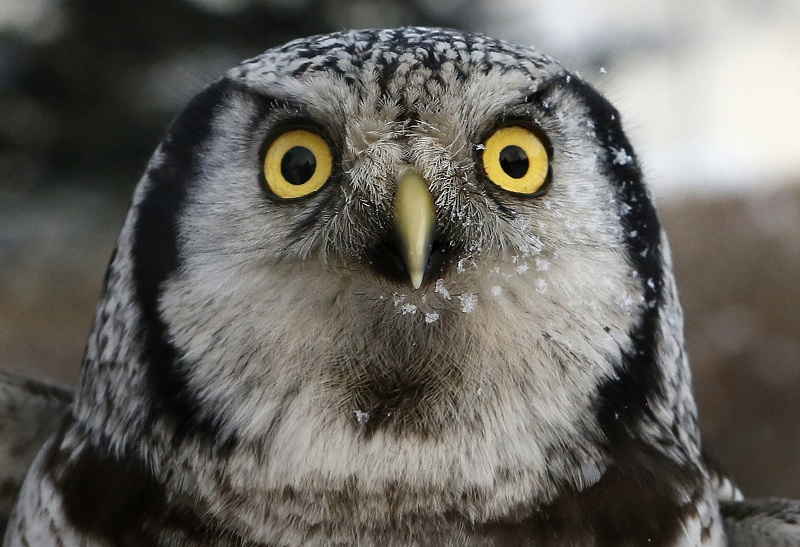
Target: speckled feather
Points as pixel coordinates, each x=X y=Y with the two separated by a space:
x=255 y=377
x=30 y=411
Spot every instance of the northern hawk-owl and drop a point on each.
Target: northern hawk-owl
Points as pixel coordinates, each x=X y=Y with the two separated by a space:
x=390 y=287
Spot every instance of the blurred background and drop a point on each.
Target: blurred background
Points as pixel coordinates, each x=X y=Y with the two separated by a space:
x=710 y=93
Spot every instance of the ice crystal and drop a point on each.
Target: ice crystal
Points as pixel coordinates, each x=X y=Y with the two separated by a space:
x=542 y=265
x=621 y=156
x=431 y=317
x=468 y=302
x=441 y=289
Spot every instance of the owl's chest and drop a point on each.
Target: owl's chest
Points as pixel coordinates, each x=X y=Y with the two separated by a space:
x=566 y=522
x=636 y=501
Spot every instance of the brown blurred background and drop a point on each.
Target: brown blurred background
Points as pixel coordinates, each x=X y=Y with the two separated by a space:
x=710 y=94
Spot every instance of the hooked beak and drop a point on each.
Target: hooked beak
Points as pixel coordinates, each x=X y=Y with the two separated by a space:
x=415 y=223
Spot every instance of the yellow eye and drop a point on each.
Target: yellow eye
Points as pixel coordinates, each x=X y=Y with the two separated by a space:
x=297 y=163
x=516 y=160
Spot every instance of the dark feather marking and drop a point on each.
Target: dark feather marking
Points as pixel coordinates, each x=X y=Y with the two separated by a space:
x=405 y=384
x=156 y=257
x=640 y=500
x=119 y=500
x=103 y=497
x=636 y=502
x=426 y=54
x=624 y=401
x=54 y=393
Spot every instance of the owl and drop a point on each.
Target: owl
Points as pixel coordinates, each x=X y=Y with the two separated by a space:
x=389 y=287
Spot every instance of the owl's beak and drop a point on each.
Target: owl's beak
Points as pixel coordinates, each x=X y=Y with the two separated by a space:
x=415 y=223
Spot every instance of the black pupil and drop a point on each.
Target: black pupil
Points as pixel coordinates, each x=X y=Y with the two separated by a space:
x=298 y=165
x=514 y=161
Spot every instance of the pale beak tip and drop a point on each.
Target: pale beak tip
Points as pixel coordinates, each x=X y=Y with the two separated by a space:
x=416 y=280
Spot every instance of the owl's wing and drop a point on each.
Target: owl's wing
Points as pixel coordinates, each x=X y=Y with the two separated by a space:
x=30 y=410
x=753 y=523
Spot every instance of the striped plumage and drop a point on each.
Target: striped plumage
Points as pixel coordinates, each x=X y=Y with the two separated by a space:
x=276 y=366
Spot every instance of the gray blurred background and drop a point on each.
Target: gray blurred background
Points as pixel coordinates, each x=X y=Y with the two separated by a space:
x=710 y=92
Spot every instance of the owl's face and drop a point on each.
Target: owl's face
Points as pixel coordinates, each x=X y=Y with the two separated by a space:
x=394 y=226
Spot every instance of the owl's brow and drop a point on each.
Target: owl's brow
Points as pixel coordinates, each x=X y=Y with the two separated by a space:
x=544 y=88
x=269 y=103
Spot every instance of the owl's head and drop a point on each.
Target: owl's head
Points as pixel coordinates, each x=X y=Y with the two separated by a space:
x=394 y=226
